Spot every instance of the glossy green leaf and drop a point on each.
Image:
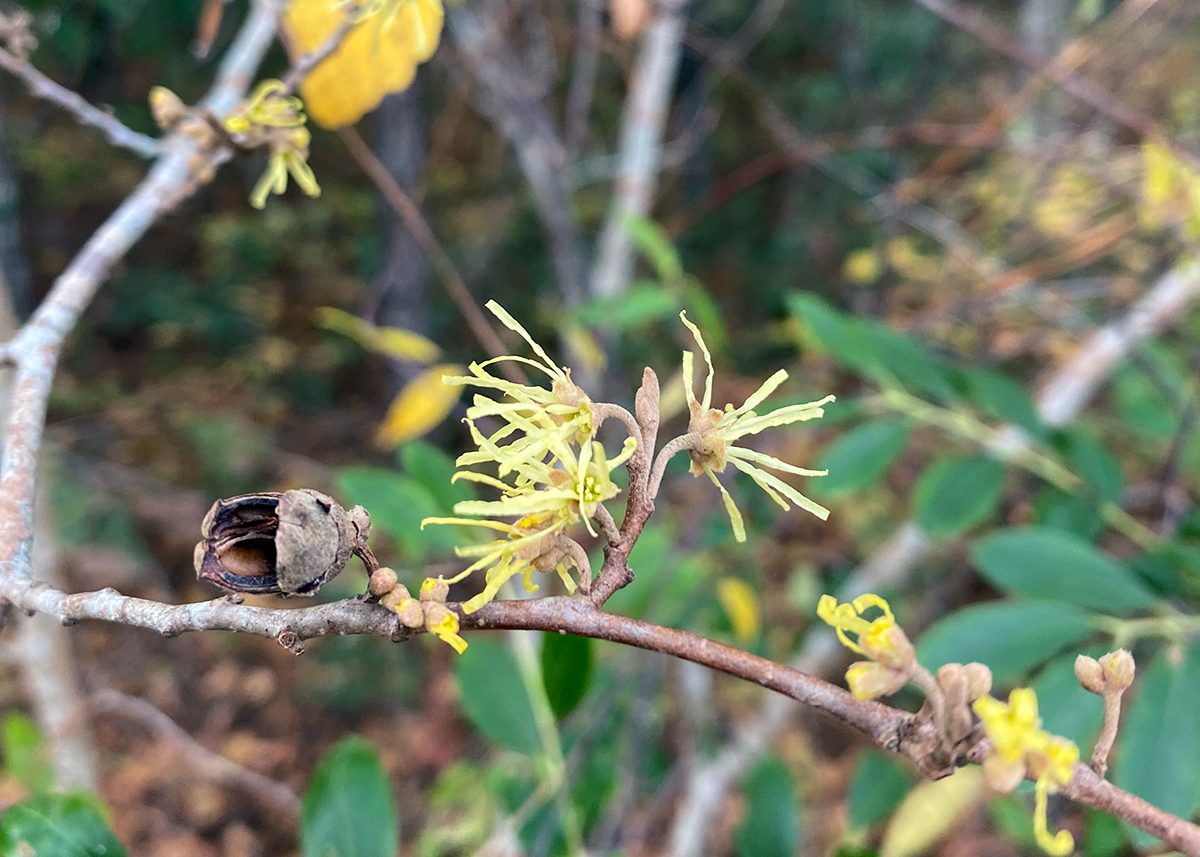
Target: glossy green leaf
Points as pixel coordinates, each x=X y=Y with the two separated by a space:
x=1055 y=566
x=1158 y=748
x=493 y=696
x=880 y=783
x=57 y=826
x=1009 y=636
x=348 y=809
x=567 y=663
x=860 y=457
x=772 y=824
x=955 y=494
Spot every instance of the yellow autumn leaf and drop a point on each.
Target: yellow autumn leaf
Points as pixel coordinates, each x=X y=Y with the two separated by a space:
x=390 y=341
x=421 y=406
x=377 y=57
x=930 y=812
x=740 y=602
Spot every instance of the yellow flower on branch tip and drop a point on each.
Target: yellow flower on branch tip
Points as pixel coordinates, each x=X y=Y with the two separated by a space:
x=879 y=639
x=269 y=106
x=714 y=433
x=1020 y=745
x=290 y=157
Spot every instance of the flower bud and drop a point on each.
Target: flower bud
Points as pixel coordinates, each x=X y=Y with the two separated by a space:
x=979 y=680
x=434 y=589
x=1090 y=674
x=871 y=680
x=383 y=581
x=886 y=642
x=166 y=107
x=1118 y=669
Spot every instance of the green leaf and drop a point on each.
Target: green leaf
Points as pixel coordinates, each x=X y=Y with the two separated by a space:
x=1074 y=513
x=999 y=395
x=1057 y=566
x=772 y=824
x=655 y=245
x=1096 y=465
x=57 y=826
x=641 y=304
x=1008 y=636
x=26 y=758
x=432 y=469
x=955 y=494
x=397 y=504
x=1066 y=708
x=1158 y=750
x=348 y=810
x=860 y=457
x=494 y=698
x=567 y=663
x=878 y=787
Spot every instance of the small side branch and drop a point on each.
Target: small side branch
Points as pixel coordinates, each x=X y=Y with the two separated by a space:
x=40 y=86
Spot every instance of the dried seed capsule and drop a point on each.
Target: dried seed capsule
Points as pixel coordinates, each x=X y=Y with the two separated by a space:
x=284 y=544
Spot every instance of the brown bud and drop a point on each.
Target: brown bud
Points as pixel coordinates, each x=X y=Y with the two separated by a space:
x=383 y=581
x=1118 y=669
x=1090 y=674
x=646 y=402
x=957 y=722
x=283 y=544
x=434 y=589
x=404 y=606
x=979 y=680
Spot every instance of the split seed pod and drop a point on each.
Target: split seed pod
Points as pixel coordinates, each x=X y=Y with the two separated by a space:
x=287 y=543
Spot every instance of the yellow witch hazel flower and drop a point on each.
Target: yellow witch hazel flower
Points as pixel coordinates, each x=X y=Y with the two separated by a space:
x=535 y=419
x=714 y=433
x=1020 y=746
x=890 y=657
x=274 y=119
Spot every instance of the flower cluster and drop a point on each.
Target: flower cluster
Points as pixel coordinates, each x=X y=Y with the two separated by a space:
x=890 y=657
x=550 y=471
x=428 y=610
x=274 y=119
x=1020 y=747
x=713 y=434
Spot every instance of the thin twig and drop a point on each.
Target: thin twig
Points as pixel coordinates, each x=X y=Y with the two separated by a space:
x=41 y=86
x=213 y=766
x=452 y=281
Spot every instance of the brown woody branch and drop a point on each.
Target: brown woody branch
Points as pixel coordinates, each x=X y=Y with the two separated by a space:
x=886 y=727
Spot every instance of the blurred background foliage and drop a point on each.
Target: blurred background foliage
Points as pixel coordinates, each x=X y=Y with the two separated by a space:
x=871 y=197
